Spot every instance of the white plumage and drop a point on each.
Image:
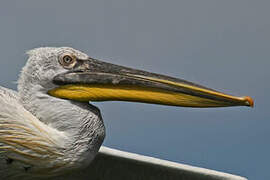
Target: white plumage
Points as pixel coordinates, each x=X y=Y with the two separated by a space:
x=43 y=136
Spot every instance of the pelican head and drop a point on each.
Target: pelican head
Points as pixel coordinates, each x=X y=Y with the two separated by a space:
x=56 y=85
x=70 y=74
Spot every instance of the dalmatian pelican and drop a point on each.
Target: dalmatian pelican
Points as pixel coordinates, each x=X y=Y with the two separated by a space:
x=49 y=130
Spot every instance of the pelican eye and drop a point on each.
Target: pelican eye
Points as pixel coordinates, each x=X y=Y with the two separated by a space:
x=67 y=60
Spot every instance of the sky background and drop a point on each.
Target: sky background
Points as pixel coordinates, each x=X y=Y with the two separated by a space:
x=224 y=45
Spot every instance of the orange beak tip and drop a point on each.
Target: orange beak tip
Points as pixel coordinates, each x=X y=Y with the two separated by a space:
x=249 y=101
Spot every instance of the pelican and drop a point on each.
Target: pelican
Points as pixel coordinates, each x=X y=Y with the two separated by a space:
x=49 y=130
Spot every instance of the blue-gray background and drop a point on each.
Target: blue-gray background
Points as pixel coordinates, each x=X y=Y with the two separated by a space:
x=221 y=44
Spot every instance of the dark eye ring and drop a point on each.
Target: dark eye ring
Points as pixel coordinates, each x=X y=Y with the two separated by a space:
x=67 y=60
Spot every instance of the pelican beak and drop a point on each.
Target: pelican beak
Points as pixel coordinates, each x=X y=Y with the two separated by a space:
x=94 y=80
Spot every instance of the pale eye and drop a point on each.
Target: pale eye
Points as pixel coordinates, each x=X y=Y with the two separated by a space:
x=67 y=60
